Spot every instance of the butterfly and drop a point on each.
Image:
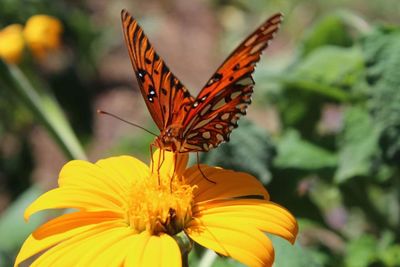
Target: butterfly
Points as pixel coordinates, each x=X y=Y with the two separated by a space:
x=196 y=124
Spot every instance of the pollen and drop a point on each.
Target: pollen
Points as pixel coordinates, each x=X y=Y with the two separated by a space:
x=160 y=204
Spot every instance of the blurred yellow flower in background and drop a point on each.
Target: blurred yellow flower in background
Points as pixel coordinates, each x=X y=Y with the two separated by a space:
x=42 y=34
x=130 y=214
x=11 y=43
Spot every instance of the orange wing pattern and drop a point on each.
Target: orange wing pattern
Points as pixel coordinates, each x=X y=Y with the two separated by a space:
x=165 y=96
x=208 y=120
x=226 y=96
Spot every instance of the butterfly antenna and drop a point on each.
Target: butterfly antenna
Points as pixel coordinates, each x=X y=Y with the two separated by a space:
x=128 y=122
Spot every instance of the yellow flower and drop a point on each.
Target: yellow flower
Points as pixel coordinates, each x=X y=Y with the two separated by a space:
x=129 y=214
x=11 y=43
x=42 y=34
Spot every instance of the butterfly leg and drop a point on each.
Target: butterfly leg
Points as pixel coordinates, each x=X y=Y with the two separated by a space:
x=161 y=159
x=198 y=166
x=151 y=157
x=173 y=173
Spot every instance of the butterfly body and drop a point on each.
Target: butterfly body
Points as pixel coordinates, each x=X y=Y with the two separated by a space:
x=196 y=124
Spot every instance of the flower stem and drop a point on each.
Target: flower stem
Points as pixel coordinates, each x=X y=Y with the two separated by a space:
x=44 y=107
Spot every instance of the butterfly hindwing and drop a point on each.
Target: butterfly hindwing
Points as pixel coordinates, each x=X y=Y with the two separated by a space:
x=166 y=98
x=226 y=96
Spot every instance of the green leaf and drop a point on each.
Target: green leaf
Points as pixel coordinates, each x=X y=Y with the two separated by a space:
x=44 y=107
x=361 y=252
x=382 y=53
x=359 y=144
x=13 y=228
x=294 y=152
x=391 y=256
x=323 y=71
x=330 y=30
x=288 y=255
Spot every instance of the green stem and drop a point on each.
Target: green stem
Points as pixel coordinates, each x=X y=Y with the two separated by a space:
x=44 y=107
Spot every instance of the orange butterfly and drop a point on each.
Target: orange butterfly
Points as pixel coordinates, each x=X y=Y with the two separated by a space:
x=189 y=124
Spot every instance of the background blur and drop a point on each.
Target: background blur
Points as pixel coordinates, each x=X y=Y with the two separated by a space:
x=322 y=134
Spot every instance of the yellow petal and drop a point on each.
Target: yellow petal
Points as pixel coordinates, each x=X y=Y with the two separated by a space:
x=73 y=220
x=153 y=250
x=166 y=249
x=166 y=163
x=42 y=33
x=114 y=255
x=116 y=173
x=107 y=247
x=262 y=215
x=136 y=249
x=11 y=43
x=252 y=248
x=123 y=170
x=74 y=250
x=228 y=184
x=74 y=198
x=32 y=246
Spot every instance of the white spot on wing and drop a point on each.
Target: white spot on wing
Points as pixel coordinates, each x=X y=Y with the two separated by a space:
x=225 y=116
x=206 y=135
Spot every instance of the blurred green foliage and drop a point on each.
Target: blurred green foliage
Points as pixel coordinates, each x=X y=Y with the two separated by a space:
x=340 y=172
x=333 y=162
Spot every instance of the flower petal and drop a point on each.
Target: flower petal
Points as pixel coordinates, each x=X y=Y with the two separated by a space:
x=74 y=198
x=153 y=250
x=108 y=247
x=228 y=184
x=114 y=175
x=32 y=246
x=250 y=247
x=114 y=255
x=167 y=162
x=124 y=169
x=166 y=249
x=74 y=250
x=262 y=215
x=73 y=220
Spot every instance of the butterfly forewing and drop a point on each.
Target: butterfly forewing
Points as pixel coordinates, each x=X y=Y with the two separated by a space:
x=226 y=96
x=166 y=98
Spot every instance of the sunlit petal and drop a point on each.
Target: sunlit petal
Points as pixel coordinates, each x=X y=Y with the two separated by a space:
x=249 y=246
x=72 y=251
x=88 y=176
x=115 y=254
x=228 y=184
x=73 y=220
x=136 y=249
x=258 y=214
x=166 y=249
x=73 y=198
x=167 y=163
x=33 y=246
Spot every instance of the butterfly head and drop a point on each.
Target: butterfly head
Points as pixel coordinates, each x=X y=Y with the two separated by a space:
x=169 y=138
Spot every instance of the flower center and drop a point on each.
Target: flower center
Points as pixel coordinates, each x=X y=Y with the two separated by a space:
x=160 y=204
